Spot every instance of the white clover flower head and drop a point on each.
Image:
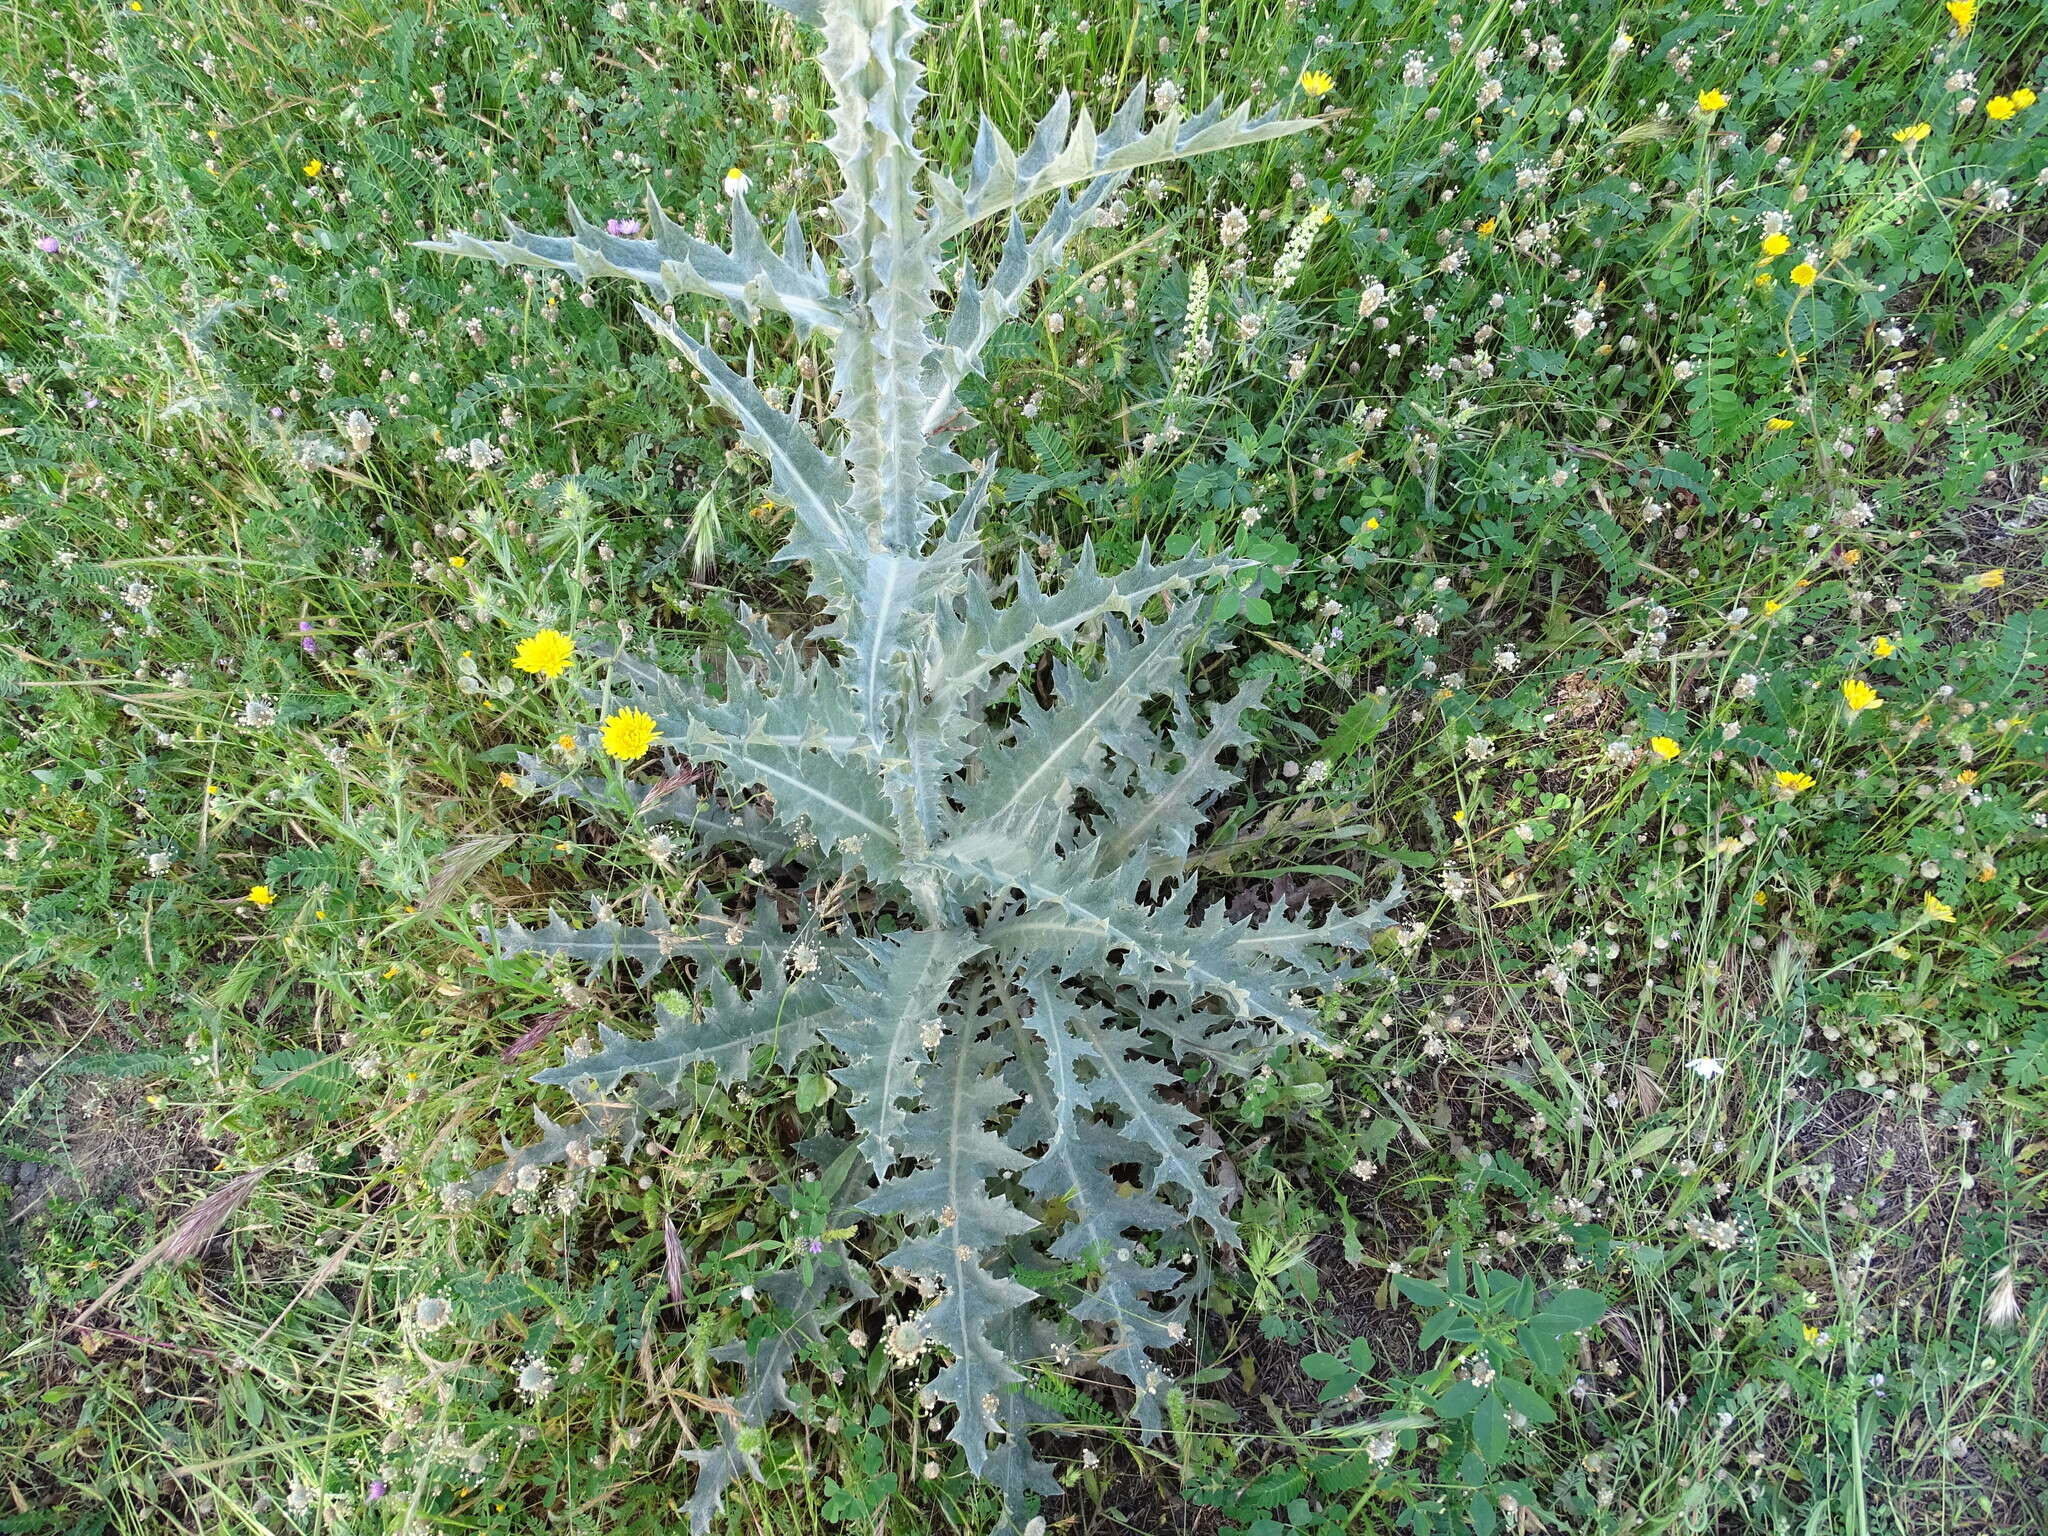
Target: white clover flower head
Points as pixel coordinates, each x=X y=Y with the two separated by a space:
x=430 y=1313
x=1706 y=1068
x=535 y=1379
x=479 y=453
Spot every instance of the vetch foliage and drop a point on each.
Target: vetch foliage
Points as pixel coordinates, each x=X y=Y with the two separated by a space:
x=1025 y=970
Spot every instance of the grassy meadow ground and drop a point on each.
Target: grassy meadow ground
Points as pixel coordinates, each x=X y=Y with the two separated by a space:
x=1579 y=492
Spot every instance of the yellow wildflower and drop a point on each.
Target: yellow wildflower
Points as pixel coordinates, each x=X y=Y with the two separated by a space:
x=1764 y=279
x=1488 y=226
x=1794 y=783
x=2023 y=97
x=1771 y=606
x=458 y=561
x=628 y=734
x=1780 y=424
x=1882 y=646
x=545 y=654
x=313 y=167
x=1913 y=134
x=1711 y=101
x=1812 y=1333
x=1316 y=82
x=1938 y=909
x=261 y=895
x=1805 y=274
x=1967 y=777
x=1859 y=695
x=566 y=742
x=507 y=779
x=1777 y=245
x=1664 y=747
x=1989 y=579
x=1964 y=14
x=2000 y=108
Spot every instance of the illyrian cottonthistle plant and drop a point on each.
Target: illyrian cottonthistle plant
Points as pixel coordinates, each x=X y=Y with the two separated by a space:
x=1025 y=969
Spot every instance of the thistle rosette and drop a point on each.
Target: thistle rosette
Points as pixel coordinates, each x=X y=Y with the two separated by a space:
x=1008 y=1004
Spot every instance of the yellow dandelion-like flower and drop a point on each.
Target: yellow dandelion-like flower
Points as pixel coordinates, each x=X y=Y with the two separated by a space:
x=507 y=779
x=1990 y=579
x=1771 y=606
x=2000 y=108
x=1859 y=695
x=1794 y=783
x=2023 y=97
x=566 y=742
x=1780 y=424
x=1882 y=646
x=1812 y=1334
x=1967 y=777
x=1488 y=226
x=458 y=561
x=1938 y=909
x=1711 y=101
x=1316 y=82
x=1764 y=279
x=313 y=167
x=1777 y=245
x=628 y=734
x=1964 y=14
x=1913 y=133
x=1664 y=747
x=1805 y=274
x=1987 y=872
x=545 y=654
x=260 y=895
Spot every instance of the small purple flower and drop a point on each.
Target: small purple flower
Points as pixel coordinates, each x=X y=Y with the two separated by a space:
x=378 y=1489
x=49 y=245
x=814 y=1245
x=306 y=641
x=622 y=227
